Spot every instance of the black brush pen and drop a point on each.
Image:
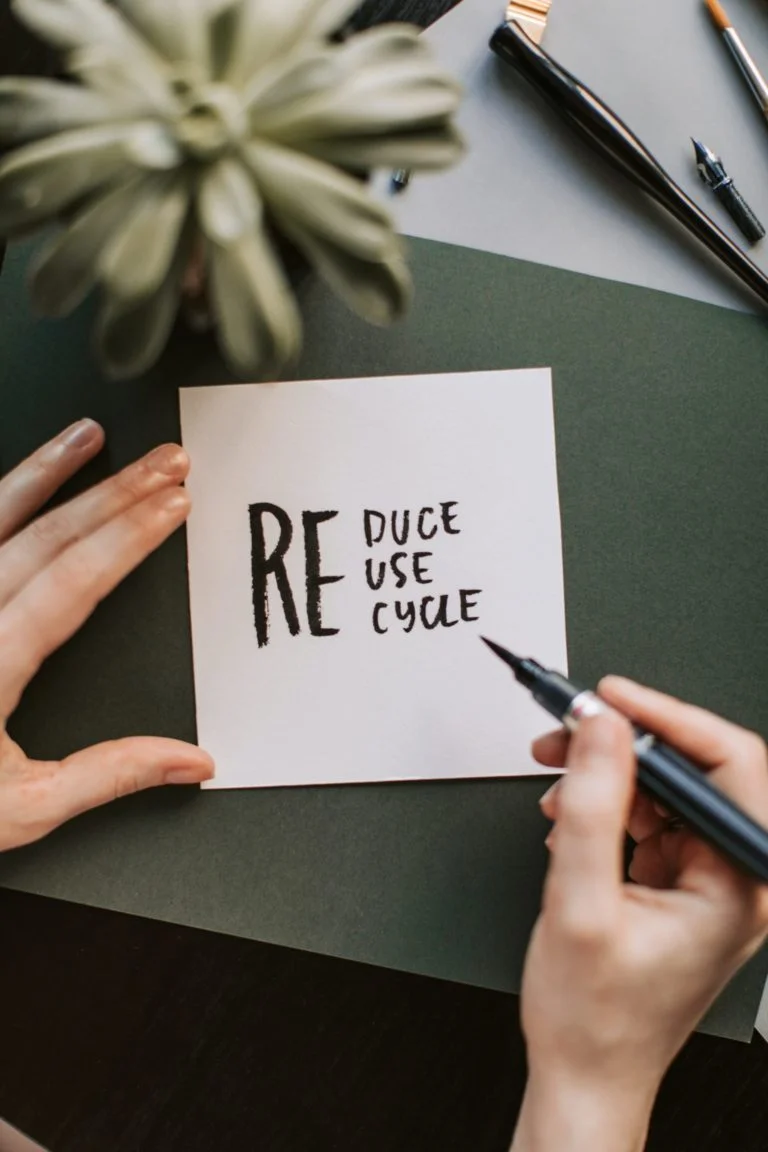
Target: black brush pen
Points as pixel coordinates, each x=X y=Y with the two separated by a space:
x=676 y=783
x=615 y=141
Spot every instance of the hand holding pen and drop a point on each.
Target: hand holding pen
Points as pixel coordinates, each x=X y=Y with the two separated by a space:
x=617 y=975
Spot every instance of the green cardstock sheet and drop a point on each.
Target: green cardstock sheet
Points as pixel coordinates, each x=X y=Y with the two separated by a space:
x=661 y=412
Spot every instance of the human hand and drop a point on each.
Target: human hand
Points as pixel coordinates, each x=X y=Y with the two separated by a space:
x=618 y=975
x=53 y=572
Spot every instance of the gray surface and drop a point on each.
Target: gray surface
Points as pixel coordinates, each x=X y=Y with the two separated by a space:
x=529 y=188
x=661 y=407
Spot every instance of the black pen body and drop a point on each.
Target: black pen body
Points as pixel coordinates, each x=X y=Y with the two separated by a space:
x=674 y=782
x=685 y=791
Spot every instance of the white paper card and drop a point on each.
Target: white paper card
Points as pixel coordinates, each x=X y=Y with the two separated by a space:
x=304 y=672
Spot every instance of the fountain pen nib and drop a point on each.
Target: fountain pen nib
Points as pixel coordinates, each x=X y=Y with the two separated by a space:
x=710 y=166
x=713 y=173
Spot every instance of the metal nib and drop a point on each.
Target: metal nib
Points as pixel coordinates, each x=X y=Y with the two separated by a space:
x=711 y=168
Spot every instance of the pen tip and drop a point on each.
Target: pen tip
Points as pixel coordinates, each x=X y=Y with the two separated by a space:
x=502 y=653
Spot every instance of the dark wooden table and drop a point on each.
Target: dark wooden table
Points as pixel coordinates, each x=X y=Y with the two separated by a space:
x=123 y=1035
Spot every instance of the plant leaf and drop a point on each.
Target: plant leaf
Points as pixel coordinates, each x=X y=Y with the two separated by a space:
x=322 y=200
x=132 y=85
x=151 y=145
x=309 y=68
x=176 y=29
x=228 y=203
x=31 y=108
x=314 y=67
x=73 y=24
x=420 y=150
x=268 y=29
x=135 y=261
x=379 y=291
x=258 y=321
x=382 y=45
x=67 y=270
x=215 y=8
x=41 y=179
x=105 y=50
x=396 y=89
x=327 y=16
x=223 y=25
x=131 y=335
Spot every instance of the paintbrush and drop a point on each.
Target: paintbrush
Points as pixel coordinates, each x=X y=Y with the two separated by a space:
x=747 y=66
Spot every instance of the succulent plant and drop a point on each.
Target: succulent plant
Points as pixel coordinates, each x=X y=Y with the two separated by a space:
x=194 y=132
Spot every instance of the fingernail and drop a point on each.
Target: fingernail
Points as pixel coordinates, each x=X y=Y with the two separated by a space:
x=169 y=459
x=549 y=794
x=192 y=774
x=80 y=435
x=174 y=501
x=616 y=683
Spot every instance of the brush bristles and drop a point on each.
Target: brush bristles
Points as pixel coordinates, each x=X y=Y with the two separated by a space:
x=717 y=12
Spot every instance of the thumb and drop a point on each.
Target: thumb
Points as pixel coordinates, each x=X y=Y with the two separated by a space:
x=108 y=771
x=594 y=802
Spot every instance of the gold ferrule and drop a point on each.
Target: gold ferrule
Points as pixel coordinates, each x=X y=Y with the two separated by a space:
x=531 y=15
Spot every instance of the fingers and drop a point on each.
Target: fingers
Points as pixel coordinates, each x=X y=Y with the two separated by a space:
x=551 y=750
x=548 y=802
x=644 y=818
x=28 y=487
x=679 y=860
x=656 y=859
x=108 y=771
x=708 y=739
x=55 y=793
x=59 y=600
x=593 y=804
x=736 y=758
x=28 y=552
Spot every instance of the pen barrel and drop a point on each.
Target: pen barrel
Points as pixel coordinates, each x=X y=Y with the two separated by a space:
x=749 y=69
x=615 y=141
x=684 y=790
x=574 y=102
x=740 y=212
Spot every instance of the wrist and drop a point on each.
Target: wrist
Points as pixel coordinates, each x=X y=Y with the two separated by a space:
x=562 y=1115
